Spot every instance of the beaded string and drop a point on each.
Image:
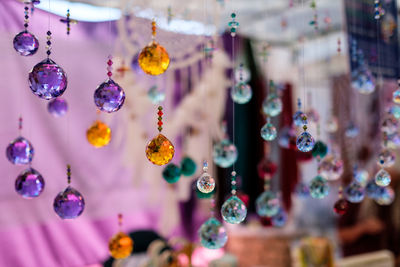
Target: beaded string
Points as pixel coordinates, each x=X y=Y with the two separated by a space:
x=69 y=174
x=160 y=114
x=233 y=24
x=26 y=19
x=153 y=30
x=233 y=183
x=109 y=66
x=120 y=220
x=48 y=44
x=68 y=21
x=20 y=121
x=314 y=21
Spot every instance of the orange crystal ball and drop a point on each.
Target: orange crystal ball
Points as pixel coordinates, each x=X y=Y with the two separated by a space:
x=154 y=59
x=160 y=150
x=120 y=246
x=99 y=134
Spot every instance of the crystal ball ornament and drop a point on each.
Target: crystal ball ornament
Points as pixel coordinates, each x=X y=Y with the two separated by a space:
x=362 y=80
x=372 y=190
x=213 y=234
x=120 y=246
x=268 y=132
x=331 y=168
x=386 y=158
x=302 y=190
x=396 y=96
x=205 y=183
x=241 y=93
x=320 y=150
x=352 y=131
x=160 y=150
x=20 y=151
x=171 y=173
x=361 y=176
x=69 y=204
x=225 y=153
x=153 y=59
x=382 y=178
x=319 y=187
x=57 y=107
x=233 y=210
x=47 y=80
x=354 y=192
x=390 y=126
x=267 y=204
x=272 y=105
x=109 y=96
x=386 y=196
x=188 y=166
x=99 y=134
x=305 y=142
x=341 y=206
x=29 y=183
x=242 y=74
x=395 y=111
x=25 y=43
x=280 y=219
x=155 y=95
x=298 y=118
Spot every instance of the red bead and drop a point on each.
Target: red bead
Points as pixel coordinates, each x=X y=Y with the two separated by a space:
x=160 y=123
x=160 y=113
x=109 y=74
x=341 y=206
x=109 y=62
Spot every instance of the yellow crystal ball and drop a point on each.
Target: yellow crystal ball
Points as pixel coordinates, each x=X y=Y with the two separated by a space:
x=99 y=134
x=154 y=59
x=120 y=246
x=160 y=150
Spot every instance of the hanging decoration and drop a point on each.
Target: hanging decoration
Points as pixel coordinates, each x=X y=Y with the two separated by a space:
x=153 y=59
x=386 y=159
x=29 y=183
x=272 y=105
x=68 y=21
x=319 y=187
x=171 y=173
x=241 y=93
x=120 y=245
x=268 y=131
x=267 y=204
x=305 y=142
x=280 y=219
x=354 y=192
x=188 y=166
x=57 y=107
x=156 y=95
x=99 y=134
x=20 y=151
x=341 y=205
x=25 y=43
x=386 y=196
x=212 y=233
x=298 y=117
x=69 y=204
x=160 y=150
x=225 y=153
x=331 y=167
x=205 y=183
x=361 y=77
x=233 y=210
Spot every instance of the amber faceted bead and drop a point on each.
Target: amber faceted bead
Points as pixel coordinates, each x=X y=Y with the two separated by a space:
x=154 y=59
x=120 y=246
x=160 y=150
x=99 y=134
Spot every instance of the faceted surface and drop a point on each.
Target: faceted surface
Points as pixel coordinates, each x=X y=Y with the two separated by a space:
x=154 y=59
x=225 y=153
x=395 y=109
x=29 y=183
x=354 y=192
x=390 y=126
x=267 y=204
x=361 y=176
x=188 y=166
x=171 y=173
x=382 y=178
x=319 y=187
x=331 y=168
x=279 y=220
x=268 y=132
x=155 y=95
x=386 y=197
x=241 y=93
x=47 y=80
x=396 y=96
x=212 y=234
x=386 y=158
x=372 y=189
x=99 y=134
x=320 y=150
x=272 y=105
x=160 y=150
x=233 y=210
x=305 y=142
x=298 y=118
x=205 y=183
x=362 y=80
x=109 y=96
x=20 y=151
x=69 y=203
x=341 y=206
x=120 y=246
x=25 y=43
x=57 y=107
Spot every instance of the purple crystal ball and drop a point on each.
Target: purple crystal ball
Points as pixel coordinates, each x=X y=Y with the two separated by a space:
x=69 y=203
x=25 y=43
x=20 y=151
x=29 y=183
x=57 y=107
x=109 y=96
x=47 y=80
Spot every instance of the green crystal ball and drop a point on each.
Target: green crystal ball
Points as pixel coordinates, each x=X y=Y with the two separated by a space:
x=188 y=166
x=171 y=173
x=320 y=149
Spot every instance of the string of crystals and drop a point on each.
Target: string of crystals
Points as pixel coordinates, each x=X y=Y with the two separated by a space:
x=354 y=191
x=25 y=43
x=120 y=245
x=268 y=131
x=378 y=11
x=305 y=142
x=386 y=158
x=68 y=21
x=267 y=204
x=314 y=21
x=341 y=205
x=241 y=93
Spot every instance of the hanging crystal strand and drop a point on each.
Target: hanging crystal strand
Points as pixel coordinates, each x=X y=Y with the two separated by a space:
x=160 y=114
x=377 y=13
x=120 y=218
x=109 y=66
x=48 y=44
x=26 y=18
x=20 y=124
x=233 y=183
x=153 y=30
x=68 y=174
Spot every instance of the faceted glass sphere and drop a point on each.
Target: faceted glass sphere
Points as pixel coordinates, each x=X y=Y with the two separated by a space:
x=351 y=131
x=298 y=118
x=386 y=158
x=320 y=150
x=386 y=197
x=225 y=153
x=272 y=105
x=57 y=107
x=154 y=59
x=393 y=141
x=213 y=234
x=69 y=203
x=25 y=43
x=372 y=190
x=390 y=126
x=354 y=192
x=20 y=151
x=362 y=81
x=361 y=176
x=29 y=183
x=205 y=183
x=109 y=96
x=160 y=150
x=341 y=206
x=99 y=134
x=267 y=204
x=396 y=96
x=156 y=96
x=302 y=190
x=382 y=178
x=242 y=74
x=279 y=220
x=188 y=166
x=305 y=142
x=171 y=173
x=241 y=93
x=319 y=187
x=395 y=110
x=331 y=168
x=120 y=246
x=268 y=132
x=47 y=80
x=233 y=210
